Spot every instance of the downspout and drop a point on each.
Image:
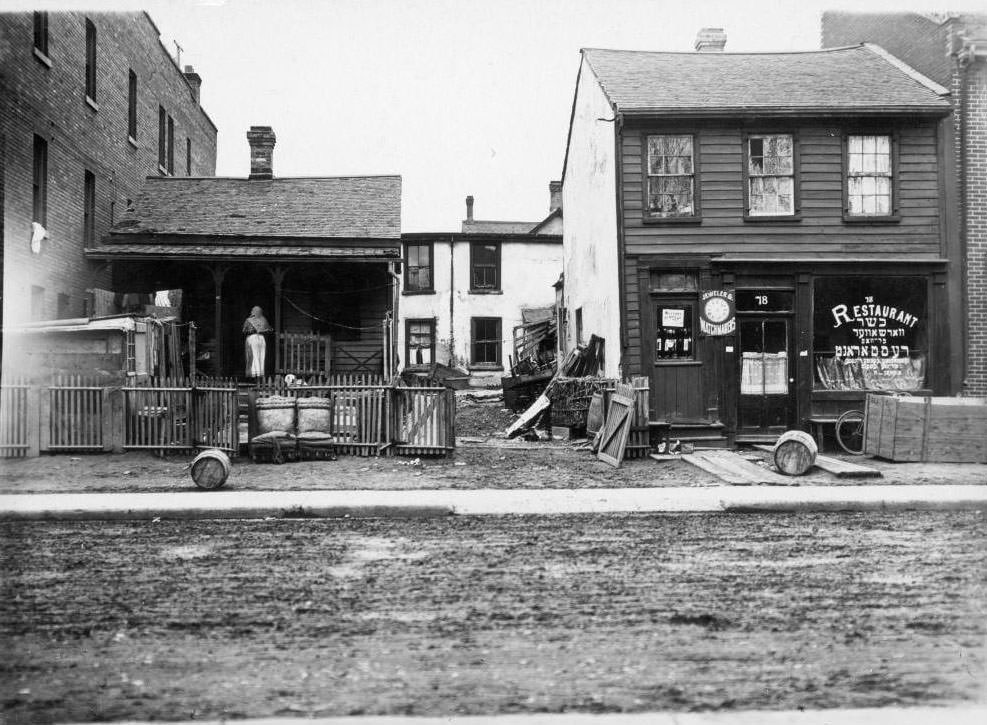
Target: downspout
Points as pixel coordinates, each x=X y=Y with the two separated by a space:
x=618 y=127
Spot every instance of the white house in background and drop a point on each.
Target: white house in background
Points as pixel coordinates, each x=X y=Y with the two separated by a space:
x=463 y=293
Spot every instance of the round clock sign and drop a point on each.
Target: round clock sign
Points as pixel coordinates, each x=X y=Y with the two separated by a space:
x=716 y=312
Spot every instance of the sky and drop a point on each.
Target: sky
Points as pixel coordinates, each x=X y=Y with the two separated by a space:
x=457 y=96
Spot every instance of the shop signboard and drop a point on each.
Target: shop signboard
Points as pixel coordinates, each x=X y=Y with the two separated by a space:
x=717 y=313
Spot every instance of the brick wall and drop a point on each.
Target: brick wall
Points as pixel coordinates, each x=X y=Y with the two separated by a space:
x=974 y=107
x=47 y=96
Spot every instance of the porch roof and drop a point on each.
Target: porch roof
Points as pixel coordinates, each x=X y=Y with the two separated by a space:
x=157 y=250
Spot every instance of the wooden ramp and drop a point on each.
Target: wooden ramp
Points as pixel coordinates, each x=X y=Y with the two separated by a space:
x=840 y=469
x=735 y=470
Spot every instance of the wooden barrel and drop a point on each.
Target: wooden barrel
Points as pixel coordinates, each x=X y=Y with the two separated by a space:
x=210 y=469
x=795 y=452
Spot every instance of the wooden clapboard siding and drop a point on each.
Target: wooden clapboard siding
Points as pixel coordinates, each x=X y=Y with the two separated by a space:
x=821 y=230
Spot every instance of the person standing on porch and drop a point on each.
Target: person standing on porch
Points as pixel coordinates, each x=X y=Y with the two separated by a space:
x=255 y=346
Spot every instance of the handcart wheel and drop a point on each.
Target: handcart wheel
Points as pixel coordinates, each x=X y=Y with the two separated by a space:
x=850 y=432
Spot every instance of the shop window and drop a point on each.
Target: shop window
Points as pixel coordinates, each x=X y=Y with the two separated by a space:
x=870 y=333
x=671 y=182
x=486 y=342
x=770 y=172
x=869 y=176
x=90 y=60
x=675 y=331
x=420 y=342
x=484 y=267
x=418 y=266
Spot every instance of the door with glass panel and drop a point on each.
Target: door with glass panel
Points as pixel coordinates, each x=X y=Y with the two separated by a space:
x=766 y=375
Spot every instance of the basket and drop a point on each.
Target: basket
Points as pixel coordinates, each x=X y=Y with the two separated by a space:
x=314 y=415
x=276 y=413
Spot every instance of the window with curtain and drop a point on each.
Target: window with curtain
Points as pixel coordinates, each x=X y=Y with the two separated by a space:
x=670 y=176
x=771 y=175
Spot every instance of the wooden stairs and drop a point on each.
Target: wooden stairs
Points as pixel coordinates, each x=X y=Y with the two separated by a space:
x=701 y=434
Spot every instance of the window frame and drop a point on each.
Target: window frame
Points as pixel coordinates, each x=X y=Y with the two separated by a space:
x=171 y=146
x=188 y=156
x=39 y=181
x=431 y=322
x=162 y=140
x=423 y=290
x=89 y=209
x=892 y=134
x=132 y=105
x=496 y=288
x=697 y=210
x=41 y=36
x=497 y=344
x=796 y=214
x=91 y=39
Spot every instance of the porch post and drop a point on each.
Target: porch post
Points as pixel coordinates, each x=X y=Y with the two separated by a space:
x=277 y=275
x=218 y=274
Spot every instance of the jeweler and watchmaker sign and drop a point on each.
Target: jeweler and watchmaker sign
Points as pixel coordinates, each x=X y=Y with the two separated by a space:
x=717 y=313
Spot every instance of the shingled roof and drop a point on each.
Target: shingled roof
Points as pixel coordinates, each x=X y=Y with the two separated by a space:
x=858 y=79
x=344 y=207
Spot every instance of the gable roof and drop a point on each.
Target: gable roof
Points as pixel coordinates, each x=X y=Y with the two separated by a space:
x=343 y=207
x=857 y=79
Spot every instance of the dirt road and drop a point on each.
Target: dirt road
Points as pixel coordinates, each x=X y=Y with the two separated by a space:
x=177 y=620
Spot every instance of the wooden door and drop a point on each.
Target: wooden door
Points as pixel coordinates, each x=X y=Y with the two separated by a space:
x=766 y=375
x=676 y=370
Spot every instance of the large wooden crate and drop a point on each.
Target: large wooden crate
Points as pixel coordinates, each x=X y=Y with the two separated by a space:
x=950 y=430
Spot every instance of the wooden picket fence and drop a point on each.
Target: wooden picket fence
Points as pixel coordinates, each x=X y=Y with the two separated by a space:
x=74 y=410
x=181 y=414
x=17 y=420
x=425 y=420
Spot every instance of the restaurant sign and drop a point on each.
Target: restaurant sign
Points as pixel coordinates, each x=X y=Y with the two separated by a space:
x=876 y=330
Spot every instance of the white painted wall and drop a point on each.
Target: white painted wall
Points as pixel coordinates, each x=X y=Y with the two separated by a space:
x=590 y=260
x=528 y=271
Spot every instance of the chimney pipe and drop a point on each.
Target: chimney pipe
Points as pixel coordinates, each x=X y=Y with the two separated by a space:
x=711 y=40
x=194 y=80
x=554 y=196
x=261 y=140
x=469 y=208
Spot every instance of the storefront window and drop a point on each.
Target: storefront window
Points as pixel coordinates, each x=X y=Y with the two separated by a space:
x=674 y=336
x=870 y=333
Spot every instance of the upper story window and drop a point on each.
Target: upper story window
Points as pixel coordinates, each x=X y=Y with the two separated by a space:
x=40 y=182
x=869 y=176
x=41 y=32
x=418 y=267
x=671 y=182
x=132 y=105
x=89 y=209
x=171 y=146
x=90 y=60
x=188 y=157
x=770 y=172
x=484 y=266
x=162 y=140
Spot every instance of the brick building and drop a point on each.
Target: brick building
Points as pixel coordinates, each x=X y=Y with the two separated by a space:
x=91 y=104
x=951 y=50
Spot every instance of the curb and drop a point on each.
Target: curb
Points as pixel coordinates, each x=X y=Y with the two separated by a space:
x=432 y=503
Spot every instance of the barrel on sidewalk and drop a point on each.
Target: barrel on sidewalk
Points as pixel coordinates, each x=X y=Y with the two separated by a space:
x=795 y=452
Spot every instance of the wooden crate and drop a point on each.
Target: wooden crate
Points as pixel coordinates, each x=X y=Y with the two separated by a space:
x=952 y=430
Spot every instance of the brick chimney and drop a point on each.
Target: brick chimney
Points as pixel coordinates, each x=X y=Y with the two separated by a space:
x=554 y=196
x=469 y=208
x=194 y=80
x=261 y=140
x=711 y=40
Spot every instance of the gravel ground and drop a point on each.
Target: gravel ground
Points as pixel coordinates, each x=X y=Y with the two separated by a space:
x=518 y=466
x=228 y=619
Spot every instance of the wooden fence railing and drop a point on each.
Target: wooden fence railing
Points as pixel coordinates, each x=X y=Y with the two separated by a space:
x=18 y=420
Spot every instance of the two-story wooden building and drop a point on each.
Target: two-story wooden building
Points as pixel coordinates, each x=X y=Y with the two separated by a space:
x=760 y=233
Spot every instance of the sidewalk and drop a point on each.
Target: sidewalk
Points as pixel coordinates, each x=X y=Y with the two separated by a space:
x=238 y=504
x=889 y=715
